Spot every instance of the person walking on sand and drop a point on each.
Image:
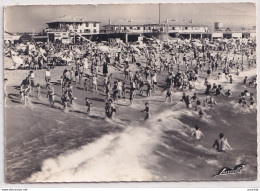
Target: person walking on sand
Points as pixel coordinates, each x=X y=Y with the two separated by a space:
x=38 y=90
x=47 y=76
x=197 y=134
x=94 y=84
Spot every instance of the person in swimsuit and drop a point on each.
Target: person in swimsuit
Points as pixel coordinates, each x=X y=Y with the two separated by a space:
x=198 y=108
x=50 y=93
x=147 y=111
x=197 y=134
x=228 y=93
x=88 y=104
x=169 y=94
x=211 y=102
x=252 y=99
x=38 y=90
x=188 y=102
x=222 y=144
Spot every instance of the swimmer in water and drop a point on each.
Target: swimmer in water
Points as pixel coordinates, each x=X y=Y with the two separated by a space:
x=88 y=104
x=228 y=93
x=198 y=108
x=222 y=144
x=147 y=111
x=169 y=94
x=252 y=99
x=188 y=102
x=211 y=102
x=194 y=98
x=197 y=134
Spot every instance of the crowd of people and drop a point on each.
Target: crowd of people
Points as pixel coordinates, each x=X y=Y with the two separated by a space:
x=181 y=64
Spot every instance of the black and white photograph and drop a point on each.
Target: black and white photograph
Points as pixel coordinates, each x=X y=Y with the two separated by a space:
x=162 y=92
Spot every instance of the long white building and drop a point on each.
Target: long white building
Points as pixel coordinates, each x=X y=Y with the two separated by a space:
x=134 y=27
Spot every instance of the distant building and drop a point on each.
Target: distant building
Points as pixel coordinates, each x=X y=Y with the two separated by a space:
x=71 y=28
x=10 y=37
x=152 y=27
x=232 y=32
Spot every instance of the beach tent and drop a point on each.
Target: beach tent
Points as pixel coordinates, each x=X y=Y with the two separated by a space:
x=17 y=61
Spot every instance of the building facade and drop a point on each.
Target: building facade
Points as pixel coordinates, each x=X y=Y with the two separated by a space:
x=155 y=28
x=67 y=29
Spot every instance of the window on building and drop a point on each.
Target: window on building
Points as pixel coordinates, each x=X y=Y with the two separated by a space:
x=86 y=31
x=138 y=28
x=131 y=27
x=186 y=28
x=173 y=28
x=87 y=24
x=95 y=31
x=94 y=24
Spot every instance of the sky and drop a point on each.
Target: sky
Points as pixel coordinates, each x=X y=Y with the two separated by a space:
x=34 y=17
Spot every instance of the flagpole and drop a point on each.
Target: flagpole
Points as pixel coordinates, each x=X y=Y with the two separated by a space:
x=159 y=13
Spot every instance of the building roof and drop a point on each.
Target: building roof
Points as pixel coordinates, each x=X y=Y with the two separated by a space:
x=8 y=33
x=131 y=22
x=235 y=29
x=69 y=19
